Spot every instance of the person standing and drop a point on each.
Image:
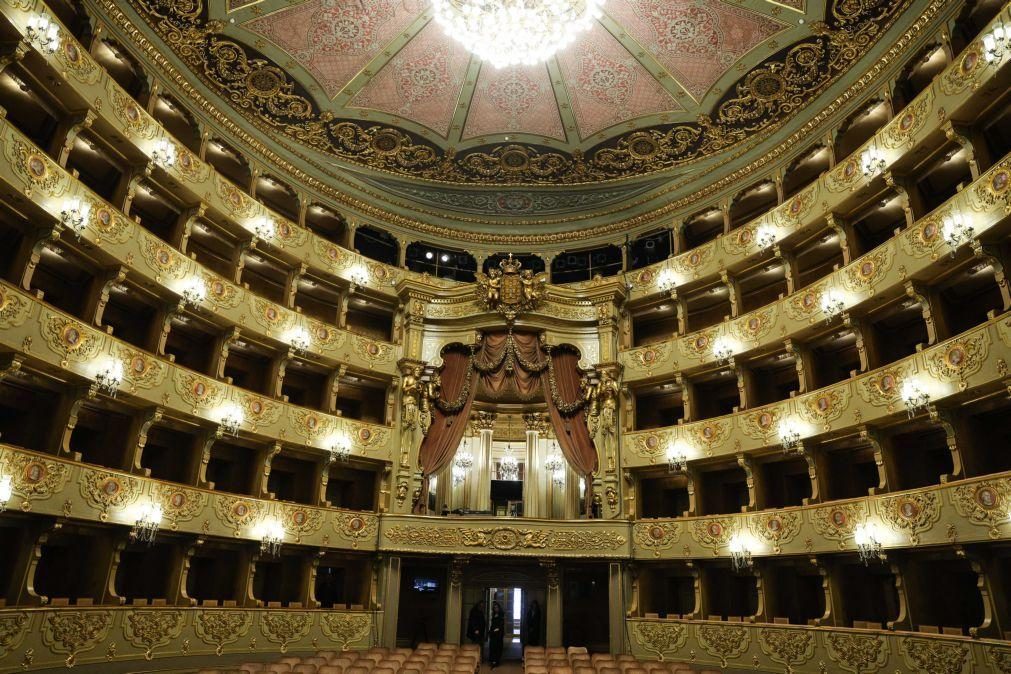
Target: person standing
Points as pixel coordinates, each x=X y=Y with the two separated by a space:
x=534 y=624
x=476 y=624
x=496 y=634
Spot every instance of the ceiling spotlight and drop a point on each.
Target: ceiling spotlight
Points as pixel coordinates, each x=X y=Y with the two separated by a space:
x=429 y=255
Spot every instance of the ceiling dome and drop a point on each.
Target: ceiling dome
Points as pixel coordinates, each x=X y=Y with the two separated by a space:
x=650 y=91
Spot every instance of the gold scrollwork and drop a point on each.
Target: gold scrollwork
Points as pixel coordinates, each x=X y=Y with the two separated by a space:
x=857 y=653
x=725 y=642
x=149 y=629
x=914 y=512
x=219 y=628
x=285 y=627
x=660 y=638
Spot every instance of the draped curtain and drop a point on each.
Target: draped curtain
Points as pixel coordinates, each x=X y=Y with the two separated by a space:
x=570 y=427
x=507 y=360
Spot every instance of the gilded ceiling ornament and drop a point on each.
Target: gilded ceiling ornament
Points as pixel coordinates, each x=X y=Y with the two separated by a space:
x=769 y=94
x=509 y=290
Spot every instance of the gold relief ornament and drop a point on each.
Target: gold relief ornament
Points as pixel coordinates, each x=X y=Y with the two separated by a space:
x=790 y=647
x=259 y=411
x=857 y=653
x=762 y=424
x=649 y=357
x=220 y=292
x=996 y=188
x=845 y=176
x=311 y=425
x=75 y=632
x=366 y=436
x=726 y=642
x=301 y=521
x=504 y=538
x=13 y=627
x=692 y=263
x=35 y=168
x=105 y=490
x=510 y=291
x=140 y=369
x=78 y=62
x=149 y=629
x=900 y=130
x=960 y=358
x=71 y=340
x=14 y=308
x=271 y=316
x=936 y=656
x=374 y=352
x=430 y=537
x=649 y=445
x=868 y=271
x=711 y=434
x=805 y=304
x=238 y=512
x=742 y=240
x=285 y=627
x=239 y=204
x=838 y=522
x=345 y=628
x=326 y=337
x=923 y=239
x=179 y=503
x=983 y=503
x=331 y=256
x=135 y=120
x=792 y=212
x=35 y=477
x=1000 y=658
x=779 y=528
x=219 y=628
x=714 y=533
x=660 y=638
x=913 y=513
x=955 y=80
x=112 y=226
x=883 y=388
x=656 y=536
x=358 y=527
x=825 y=406
x=756 y=325
x=162 y=259
x=198 y=391
x=698 y=346
x=585 y=540
x=190 y=166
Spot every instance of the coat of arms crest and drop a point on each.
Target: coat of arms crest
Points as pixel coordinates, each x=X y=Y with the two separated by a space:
x=509 y=290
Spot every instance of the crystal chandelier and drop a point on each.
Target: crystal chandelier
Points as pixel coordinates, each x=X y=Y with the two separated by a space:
x=271 y=537
x=6 y=491
x=868 y=543
x=145 y=527
x=510 y=32
x=508 y=468
x=740 y=554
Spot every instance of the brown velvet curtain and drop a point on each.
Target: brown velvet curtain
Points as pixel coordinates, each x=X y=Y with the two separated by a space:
x=570 y=429
x=500 y=371
x=447 y=429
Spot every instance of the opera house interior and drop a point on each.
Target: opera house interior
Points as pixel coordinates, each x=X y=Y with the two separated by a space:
x=554 y=336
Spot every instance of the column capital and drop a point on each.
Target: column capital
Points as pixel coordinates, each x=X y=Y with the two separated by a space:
x=537 y=422
x=483 y=421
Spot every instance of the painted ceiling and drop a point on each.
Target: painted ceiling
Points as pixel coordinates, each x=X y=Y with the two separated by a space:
x=654 y=87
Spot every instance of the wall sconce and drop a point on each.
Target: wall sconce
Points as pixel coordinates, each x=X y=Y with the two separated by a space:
x=724 y=349
x=914 y=397
x=872 y=161
x=994 y=43
x=109 y=378
x=74 y=216
x=231 y=419
x=740 y=554
x=6 y=491
x=340 y=449
x=299 y=340
x=765 y=237
x=789 y=435
x=359 y=276
x=264 y=228
x=194 y=291
x=271 y=537
x=148 y=521
x=832 y=304
x=955 y=230
x=868 y=544
x=164 y=153
x=43 y=33
x=558 y=477
x=666 y=281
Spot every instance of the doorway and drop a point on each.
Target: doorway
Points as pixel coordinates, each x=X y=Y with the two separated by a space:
x=516 y=590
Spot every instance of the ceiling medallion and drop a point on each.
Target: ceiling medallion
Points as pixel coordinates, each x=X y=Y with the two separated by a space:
x=512 y=32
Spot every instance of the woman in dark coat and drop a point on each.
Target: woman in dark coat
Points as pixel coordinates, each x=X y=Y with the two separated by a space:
x=476 y=624
x=534 y=624
x=496 y=634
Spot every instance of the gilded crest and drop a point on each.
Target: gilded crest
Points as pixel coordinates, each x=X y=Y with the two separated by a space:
x=510 y=291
